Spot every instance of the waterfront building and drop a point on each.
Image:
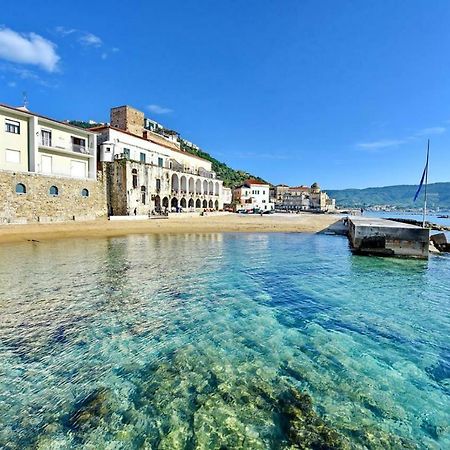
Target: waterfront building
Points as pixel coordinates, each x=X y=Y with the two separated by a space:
x=253 y=194
x=277 y=192
x=227 y=196
x=147 y=172
x=304 y=198
x=48 y=169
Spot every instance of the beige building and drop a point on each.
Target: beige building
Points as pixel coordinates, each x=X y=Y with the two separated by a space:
x=48 y=170
x=33 y=143
x=147 y=172
x=304 y=198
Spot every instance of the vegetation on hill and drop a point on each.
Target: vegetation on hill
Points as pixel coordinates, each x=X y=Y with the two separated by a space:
x=231 y=177
x=83 y=124
x=400 y=196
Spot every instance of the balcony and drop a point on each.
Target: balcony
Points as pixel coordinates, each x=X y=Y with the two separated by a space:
x=66 y=149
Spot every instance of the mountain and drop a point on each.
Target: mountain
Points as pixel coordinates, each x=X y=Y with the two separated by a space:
x=400 y=196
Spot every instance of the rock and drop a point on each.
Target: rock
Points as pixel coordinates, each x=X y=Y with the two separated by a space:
x=440 y=241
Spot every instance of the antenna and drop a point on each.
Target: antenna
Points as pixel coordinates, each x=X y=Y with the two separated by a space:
x=25 y=99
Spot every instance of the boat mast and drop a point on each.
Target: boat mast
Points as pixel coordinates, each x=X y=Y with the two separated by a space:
x=426 y=185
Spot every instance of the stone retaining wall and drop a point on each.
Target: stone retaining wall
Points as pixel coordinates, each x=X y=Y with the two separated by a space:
x=38 y=205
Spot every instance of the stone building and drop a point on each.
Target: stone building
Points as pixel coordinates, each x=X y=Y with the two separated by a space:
x=304 y=198
x=48 y=169
x=252 y=195
x=147 y=172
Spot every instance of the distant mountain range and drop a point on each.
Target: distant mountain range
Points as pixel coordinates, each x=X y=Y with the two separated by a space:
x=400 y=196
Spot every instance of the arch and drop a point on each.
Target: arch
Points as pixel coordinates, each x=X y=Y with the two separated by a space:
x=211 y=188
x=21 y=188
x=216 y=188
x=216 y=204
x=205 y=187
x=191 y=203
x=165 y=202
x=157 y=202
x=198 y=203
x=53 y=191
x=84 y=192
x=135 y=178
x=205 y=204
x=175 y=183
x=183 y=202
x=174 y=202
x=210 y=204
x=183 y=183
x=191 y=185
x=198 y=186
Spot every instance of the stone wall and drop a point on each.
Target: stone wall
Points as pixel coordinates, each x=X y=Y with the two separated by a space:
x=128 y=119
x=38 y=205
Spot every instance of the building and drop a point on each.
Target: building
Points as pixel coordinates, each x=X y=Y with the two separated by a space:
x=147 y=172
x=227 y=196
x=48 y=169
x=304 y=198
x=277 y=192
x=252 y=195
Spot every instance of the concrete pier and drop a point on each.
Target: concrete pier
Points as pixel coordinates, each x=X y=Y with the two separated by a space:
x=372 y=236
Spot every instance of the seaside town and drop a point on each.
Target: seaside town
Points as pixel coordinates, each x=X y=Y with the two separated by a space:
x=52 y=171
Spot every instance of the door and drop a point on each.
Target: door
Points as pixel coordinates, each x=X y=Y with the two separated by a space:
x=77 y=169
x=46 y=164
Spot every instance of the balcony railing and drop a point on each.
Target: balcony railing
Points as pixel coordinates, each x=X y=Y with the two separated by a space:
x=76 y=148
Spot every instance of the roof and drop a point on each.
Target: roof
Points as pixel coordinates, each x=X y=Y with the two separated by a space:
x=21 y=110
x=253 y=181
x=156 y=140
x=299 y=188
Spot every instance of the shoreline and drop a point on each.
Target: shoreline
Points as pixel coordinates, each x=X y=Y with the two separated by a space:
x=227 y=223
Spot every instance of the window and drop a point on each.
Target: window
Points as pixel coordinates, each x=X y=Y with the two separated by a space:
x=79 y=145
x=160 y=162
x=46 y=138
x=108 y=149
x=142 y=157
x=12 y=126
x=143 y=194
x=21 y=188
x=158 y=185
x=135 y=178
x=12 y=156
x=53 y=191
x=126 y=153
x=84 y=193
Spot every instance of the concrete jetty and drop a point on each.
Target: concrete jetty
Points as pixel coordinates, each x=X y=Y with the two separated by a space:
x=373 y=236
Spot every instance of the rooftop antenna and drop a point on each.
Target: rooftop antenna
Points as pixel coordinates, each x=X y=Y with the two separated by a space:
x=25 y=99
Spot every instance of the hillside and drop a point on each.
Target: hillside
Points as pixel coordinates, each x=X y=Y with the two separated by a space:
x=400 y=196
x=231 y=177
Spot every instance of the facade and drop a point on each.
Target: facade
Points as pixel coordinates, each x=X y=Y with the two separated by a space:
x=48 y=169
x=147 y=173
x=277 y=192
x=304 y=198
x=227 y=196
x=33 y=143
x=252 y=195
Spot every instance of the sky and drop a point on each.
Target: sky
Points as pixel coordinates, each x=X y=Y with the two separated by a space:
x=345 y=93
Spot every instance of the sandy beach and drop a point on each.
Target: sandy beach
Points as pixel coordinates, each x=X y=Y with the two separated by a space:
x=306 y=223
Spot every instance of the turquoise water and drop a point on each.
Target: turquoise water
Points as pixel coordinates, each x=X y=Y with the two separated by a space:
x=223 y=341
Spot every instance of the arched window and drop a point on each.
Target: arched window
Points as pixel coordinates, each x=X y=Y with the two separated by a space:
x=53 y=191
x=84 y=193
x=21 y=188
x=143 y=190
x=135 y=178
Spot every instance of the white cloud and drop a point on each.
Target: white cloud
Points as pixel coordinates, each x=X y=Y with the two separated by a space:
x=431 y=130
x=156 y=109
x=90 y=39
x=29 y=48
x=12 y=84
x=65 y=31
x=383 y=143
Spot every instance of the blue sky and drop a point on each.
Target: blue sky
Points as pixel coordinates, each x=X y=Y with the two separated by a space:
x=345 y=93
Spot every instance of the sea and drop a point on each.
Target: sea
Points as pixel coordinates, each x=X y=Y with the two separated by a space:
x=222 y=341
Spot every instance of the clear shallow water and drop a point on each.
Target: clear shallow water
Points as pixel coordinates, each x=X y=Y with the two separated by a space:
x=210 y=341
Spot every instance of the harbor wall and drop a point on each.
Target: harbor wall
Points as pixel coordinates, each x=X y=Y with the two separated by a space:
x=76 y=199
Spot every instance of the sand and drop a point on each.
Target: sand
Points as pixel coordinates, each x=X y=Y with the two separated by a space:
x=309 y=223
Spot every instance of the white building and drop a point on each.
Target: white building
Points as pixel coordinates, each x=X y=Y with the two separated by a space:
x=149 y=173
x=253 y=195
x=30 y=142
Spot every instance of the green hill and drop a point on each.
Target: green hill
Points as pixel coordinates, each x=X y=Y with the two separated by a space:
x=231 y=177
x=397 y=196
